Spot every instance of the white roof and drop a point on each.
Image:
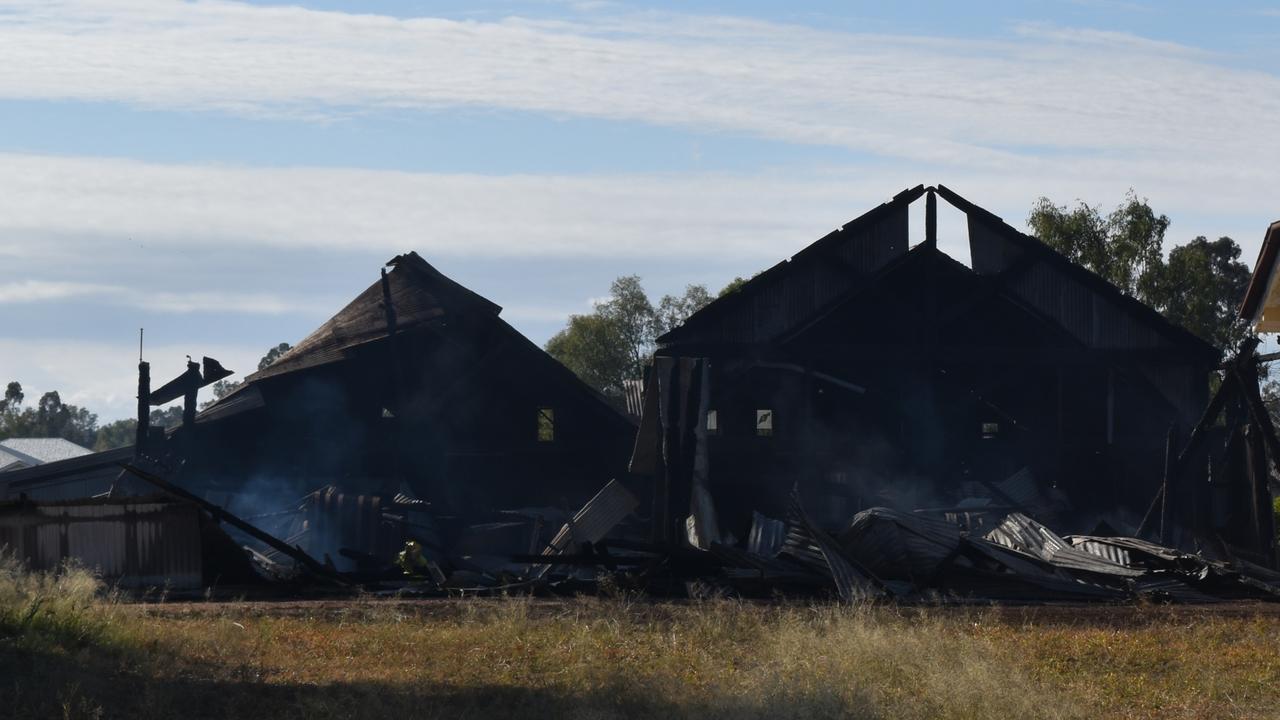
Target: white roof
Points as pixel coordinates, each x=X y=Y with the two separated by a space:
x=11 y=461
x=38 y=451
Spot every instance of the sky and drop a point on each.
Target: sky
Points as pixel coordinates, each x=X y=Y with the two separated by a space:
x=228 y=175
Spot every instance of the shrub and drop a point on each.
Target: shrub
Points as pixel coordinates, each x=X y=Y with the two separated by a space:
x=43 y=609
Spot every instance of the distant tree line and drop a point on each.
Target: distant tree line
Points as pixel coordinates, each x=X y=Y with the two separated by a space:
x=50 y=417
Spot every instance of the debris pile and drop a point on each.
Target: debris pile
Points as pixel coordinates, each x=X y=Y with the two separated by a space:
x=883 y=554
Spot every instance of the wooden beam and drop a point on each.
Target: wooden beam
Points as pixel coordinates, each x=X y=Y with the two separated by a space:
x=220 y=514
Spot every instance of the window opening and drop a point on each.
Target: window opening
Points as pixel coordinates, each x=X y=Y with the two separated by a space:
x=764 y=422
x=546 y=424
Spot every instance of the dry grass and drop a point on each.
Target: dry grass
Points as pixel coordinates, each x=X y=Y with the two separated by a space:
x=617 y=658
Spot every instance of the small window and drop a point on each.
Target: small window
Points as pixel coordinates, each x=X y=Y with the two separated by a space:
x=713 y=422
x=990 y=430
x=546 y=424
x=764 y=422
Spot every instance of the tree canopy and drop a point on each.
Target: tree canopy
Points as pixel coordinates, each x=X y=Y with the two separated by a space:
x=611 y=344
x=273 y=355
x=1125 y=247
x=49 y=417
x=1198 y=287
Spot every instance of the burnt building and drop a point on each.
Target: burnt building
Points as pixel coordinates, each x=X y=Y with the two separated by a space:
x=416 y=388
x=866 y=372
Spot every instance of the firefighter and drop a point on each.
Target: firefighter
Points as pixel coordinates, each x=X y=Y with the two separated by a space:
x=411 y=561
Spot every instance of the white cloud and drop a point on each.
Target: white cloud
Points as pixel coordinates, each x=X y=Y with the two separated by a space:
x=28 y=291
x=175 y=206
x=31 y=291
x=57 y=211
x=1145 y=107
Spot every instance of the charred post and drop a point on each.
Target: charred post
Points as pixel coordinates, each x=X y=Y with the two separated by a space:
x=144 y=408
x=191 y=389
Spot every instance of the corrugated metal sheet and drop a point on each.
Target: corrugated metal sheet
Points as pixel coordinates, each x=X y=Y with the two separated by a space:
x=244 y=399
x=135 y=543
x=1135 y=550
x=766 y=536
x=601 y=513
x=1020 y=532
x=79 y=477
x=335 y=520
x=901 y=546
x=1115 y=554
x=817 y=550
x=634 y=393
x=43 y=450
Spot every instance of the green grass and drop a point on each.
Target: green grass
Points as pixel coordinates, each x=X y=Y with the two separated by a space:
x=77 y=656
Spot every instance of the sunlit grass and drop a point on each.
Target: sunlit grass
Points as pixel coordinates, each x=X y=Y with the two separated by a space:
x=605 y=658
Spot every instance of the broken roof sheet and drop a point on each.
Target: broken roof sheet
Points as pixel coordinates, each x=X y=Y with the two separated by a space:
x=1020 y=532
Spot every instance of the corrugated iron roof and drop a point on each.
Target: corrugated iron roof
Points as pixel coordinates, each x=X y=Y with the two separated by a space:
x=77 y=477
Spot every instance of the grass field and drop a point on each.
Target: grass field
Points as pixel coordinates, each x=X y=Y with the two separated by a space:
x=66 y=651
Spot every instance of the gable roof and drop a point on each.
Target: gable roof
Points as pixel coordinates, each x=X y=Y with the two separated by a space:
x=795 y=291
x=419 y=294
x=75 y=477
x=1263 y=292
x=789 y=292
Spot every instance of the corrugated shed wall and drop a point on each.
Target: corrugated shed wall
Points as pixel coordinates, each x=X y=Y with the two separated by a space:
x=79 y=485
x=133 y=543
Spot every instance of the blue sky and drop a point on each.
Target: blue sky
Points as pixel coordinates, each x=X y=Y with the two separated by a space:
x=229 y=174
